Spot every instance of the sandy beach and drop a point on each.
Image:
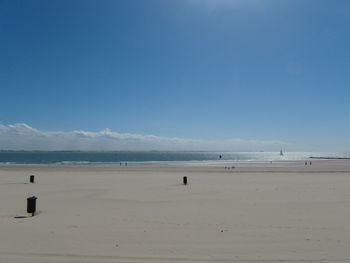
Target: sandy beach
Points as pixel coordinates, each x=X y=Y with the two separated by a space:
x=256 y=212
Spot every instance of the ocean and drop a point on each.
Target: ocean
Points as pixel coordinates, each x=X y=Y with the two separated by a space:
x=152 y=157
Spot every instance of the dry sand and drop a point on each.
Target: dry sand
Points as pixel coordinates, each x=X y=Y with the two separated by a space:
x=257 y=212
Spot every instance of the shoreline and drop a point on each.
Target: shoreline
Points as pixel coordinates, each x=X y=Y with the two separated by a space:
x=191 y=163
x=278 y=165
x=157 y=158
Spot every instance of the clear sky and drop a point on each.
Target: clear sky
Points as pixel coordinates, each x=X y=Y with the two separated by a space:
x=265 y=70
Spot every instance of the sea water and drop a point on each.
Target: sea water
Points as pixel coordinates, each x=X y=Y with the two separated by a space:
x=150 y=157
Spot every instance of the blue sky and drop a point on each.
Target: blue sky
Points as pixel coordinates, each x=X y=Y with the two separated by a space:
x=194 y=69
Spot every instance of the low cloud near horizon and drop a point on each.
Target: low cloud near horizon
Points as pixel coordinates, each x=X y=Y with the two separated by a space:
x=21 y=136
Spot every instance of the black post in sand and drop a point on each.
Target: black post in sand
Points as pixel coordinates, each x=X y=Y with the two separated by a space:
x=31 y=205
x=31 y=179
x=185 y=180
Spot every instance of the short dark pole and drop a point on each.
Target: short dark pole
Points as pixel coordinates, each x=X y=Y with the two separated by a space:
x=31 y=205
x=185 y=180
x=31 y=179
